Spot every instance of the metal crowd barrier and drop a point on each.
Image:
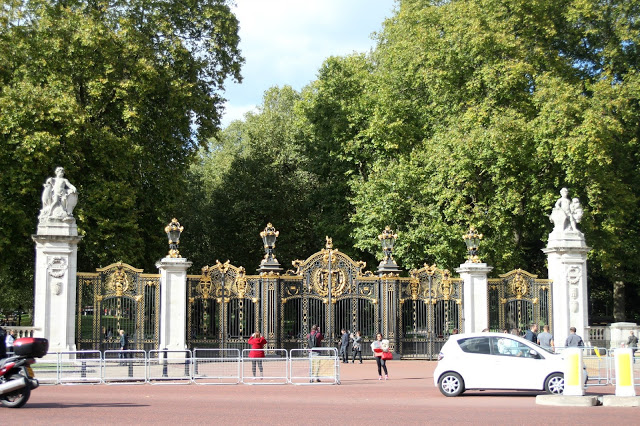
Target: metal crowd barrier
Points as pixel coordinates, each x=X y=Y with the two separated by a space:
x=78 y=367
x=314 y=366
x=636 y=367
x=202 y=366
x=216 y=366
x=119 y=367
x=271 y=369
x=46 y=369
x=597 y=361
x=169 y=367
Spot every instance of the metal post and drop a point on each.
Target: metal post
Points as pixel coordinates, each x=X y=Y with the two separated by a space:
x=330 y=331
x=223 y=313
x=165 y=367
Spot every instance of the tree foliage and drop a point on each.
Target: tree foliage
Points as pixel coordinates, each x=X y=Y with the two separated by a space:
x=120 y=93
x=490 y=108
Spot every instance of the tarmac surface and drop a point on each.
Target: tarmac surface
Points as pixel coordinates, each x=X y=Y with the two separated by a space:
x=408 y=397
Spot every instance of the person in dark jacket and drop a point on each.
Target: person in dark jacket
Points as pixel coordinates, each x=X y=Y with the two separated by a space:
x=124 y=344
x=3 y=348
x=344 y=346
x=532 y=334
x=314 y=340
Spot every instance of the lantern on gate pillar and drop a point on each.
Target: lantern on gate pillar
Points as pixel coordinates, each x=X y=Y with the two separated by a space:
x=472 y=240
x=388 y=240
x=173 y=230
x=269 y=263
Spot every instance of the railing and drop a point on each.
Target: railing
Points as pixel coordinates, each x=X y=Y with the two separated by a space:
x=20 y=331
x=202 y=366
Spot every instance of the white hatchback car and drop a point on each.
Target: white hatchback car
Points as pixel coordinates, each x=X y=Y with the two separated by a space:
x=496 y=361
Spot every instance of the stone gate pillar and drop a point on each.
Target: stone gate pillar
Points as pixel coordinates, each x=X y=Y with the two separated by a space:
x=173 y=303
x=567 y=262
x=54 y=305
x=475 y=308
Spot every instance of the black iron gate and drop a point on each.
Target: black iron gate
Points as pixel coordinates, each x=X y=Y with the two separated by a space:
x=330 y=290
x=118 y=297
x=431 y=311
x=517 y=299
x=223 y=307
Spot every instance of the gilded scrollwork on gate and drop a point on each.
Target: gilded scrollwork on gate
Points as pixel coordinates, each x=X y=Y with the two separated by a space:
x=518 y=298
x=223 y=304
x=116 y=297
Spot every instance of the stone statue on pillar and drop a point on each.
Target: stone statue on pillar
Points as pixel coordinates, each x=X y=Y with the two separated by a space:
x=567 y=262
x=566 y=214
x=59 y=198
x=56 y=264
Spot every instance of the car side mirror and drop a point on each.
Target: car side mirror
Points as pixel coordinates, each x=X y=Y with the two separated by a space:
x=533 y=353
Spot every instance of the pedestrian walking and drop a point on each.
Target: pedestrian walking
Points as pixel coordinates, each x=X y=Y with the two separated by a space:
x=381 y=353
x=344 y=346
x=573 y=340
x=357 y=346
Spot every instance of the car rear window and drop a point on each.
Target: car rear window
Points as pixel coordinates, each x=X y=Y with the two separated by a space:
x=475 y=345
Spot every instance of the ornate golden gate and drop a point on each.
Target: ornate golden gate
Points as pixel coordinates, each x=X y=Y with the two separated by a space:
x=118 y=297
x=431 y=310
x=224 y=307
x=330 y=290
x=517 y=299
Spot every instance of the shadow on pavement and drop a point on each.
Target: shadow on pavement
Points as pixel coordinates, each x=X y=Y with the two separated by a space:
x=86 y=405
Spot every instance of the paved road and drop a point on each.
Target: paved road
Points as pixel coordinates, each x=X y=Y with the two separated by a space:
x=409 y=397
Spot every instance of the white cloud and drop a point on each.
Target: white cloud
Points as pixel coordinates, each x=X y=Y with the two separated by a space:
x=286 y=42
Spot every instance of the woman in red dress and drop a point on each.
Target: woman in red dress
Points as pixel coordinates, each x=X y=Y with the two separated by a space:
x=257 y=342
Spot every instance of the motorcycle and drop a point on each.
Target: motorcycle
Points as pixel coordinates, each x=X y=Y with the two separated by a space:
x=16 y=375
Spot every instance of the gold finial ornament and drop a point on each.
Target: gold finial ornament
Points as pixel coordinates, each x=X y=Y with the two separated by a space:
x=173 y=230
x=329 y=245
x=269 y=263
x=388 y=265
x=472 y=240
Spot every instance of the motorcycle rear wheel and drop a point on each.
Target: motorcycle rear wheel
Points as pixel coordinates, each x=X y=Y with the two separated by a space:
x=17 y=398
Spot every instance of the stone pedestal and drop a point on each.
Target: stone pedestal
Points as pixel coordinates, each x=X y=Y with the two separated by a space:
x=567 y=262
x=173 y=303
x=55 y=283
x=619 y=333
x=475 y=296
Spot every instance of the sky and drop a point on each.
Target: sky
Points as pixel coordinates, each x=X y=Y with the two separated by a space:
x=286 y=42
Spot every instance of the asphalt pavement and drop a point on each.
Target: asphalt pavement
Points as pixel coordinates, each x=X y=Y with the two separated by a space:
x=408 y=397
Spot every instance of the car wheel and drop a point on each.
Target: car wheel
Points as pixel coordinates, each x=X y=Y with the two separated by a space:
x=554 y=384
x=451 y=384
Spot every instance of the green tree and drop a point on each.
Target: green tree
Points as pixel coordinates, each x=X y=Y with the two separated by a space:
x=485 y=109
x=120 y=94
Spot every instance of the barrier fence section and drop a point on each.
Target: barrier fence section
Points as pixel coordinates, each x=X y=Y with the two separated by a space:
x=264 y=366
x=635 y=366
x=597 y=362
x=169 y=367
x=202 y=366
x=46 y=369
x=317 y=365
x=77 y=367
x=216 y=366
x=119 y=367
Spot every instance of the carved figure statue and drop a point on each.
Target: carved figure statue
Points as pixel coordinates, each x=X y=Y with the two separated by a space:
x=59 y=197
x=567 y=213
